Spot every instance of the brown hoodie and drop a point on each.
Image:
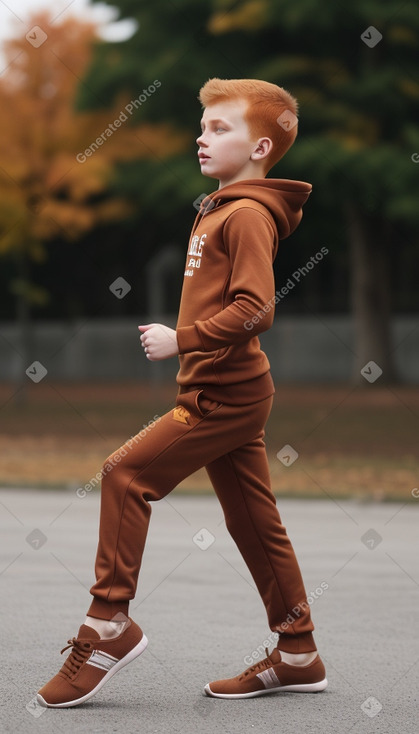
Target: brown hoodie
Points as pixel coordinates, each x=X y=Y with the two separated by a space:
x=228 y=294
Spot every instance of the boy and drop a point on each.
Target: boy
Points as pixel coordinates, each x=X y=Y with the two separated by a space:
x=223 y=403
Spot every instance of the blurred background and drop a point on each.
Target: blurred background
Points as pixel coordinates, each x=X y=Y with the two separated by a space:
x=99 y=185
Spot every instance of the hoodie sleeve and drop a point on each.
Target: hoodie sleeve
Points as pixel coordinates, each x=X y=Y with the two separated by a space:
x=251 y=242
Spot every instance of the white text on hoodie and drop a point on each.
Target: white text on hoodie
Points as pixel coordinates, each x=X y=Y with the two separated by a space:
x=195 y=254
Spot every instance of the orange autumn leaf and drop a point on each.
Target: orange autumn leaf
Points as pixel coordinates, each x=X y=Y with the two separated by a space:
x=54 y=175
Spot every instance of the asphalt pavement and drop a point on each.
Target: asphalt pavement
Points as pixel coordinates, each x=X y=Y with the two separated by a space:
x=199 y=608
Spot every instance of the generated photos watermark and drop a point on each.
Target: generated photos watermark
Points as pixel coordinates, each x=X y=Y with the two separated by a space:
x=116 y=457
x=123 y=116
x=290 y=619
x=295 y=278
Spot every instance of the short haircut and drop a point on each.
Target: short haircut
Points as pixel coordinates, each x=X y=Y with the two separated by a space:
x=266 y=103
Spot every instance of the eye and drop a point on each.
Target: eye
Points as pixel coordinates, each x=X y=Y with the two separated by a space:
x=220 y=129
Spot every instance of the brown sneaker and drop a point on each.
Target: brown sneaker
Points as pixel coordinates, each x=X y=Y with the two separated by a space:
x=271 y=675
x=91 y=663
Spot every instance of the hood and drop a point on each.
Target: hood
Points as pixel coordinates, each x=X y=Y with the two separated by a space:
x=283 y=197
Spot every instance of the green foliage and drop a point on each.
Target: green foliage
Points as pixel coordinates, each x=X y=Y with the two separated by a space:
x=357 y=131
x=357 y=104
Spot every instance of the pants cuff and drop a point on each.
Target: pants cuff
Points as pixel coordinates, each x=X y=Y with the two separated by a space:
x=296 y=643
x=102 y=609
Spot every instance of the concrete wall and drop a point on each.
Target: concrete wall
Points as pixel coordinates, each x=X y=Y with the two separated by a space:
x=299 y=349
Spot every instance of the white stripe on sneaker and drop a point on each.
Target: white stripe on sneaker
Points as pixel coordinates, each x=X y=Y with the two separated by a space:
x=269 y=678
x=101 y=660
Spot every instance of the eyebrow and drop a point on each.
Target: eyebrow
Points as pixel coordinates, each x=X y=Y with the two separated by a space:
x=217 y=119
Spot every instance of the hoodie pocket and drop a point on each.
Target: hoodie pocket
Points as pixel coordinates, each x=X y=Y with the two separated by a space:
x=204 y=405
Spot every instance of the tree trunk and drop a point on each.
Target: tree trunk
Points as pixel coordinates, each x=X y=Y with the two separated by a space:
x=370 y=293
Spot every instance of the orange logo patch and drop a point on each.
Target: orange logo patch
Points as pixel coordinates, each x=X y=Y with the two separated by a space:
x=181 y=414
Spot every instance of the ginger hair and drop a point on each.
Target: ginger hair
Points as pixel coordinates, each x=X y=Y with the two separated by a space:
x=266 y=102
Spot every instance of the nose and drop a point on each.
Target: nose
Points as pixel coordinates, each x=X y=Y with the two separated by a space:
x=200 y=140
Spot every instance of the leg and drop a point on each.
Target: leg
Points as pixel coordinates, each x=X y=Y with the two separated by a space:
x=146 y=470
x=242 y=483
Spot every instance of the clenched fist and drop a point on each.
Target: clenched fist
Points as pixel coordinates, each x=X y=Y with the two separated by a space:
x=158 y=341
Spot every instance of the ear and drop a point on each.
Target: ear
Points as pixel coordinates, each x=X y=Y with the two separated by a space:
x=263 y=148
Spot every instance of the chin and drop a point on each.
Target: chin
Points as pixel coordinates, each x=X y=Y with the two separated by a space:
x=209 y=174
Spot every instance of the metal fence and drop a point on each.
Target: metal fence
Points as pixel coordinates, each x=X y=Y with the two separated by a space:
x=299 y=349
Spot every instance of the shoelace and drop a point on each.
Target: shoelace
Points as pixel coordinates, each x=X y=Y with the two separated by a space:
x=265 y=663
x=79 y=653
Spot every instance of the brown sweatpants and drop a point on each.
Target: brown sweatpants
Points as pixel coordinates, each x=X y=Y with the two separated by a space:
x=228 y=441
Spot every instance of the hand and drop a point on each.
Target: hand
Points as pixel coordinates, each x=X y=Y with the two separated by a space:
x=159 y=341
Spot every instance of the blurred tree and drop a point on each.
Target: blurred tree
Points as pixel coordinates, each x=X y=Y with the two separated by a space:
x=353 y=68
x=56 y=165
x=356 y=79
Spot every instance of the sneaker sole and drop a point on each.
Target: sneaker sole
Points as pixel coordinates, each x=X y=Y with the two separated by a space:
x=128 y=658
x=298 y=688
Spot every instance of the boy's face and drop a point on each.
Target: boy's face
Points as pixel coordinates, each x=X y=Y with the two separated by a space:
x=225 y=144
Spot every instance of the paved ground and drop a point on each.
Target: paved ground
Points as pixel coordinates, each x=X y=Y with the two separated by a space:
x=202 y=616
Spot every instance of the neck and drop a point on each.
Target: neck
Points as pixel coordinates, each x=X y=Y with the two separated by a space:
x=255 y=172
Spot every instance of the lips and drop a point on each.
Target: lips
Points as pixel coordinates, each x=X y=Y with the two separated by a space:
x=203 y=157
